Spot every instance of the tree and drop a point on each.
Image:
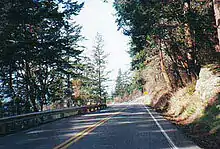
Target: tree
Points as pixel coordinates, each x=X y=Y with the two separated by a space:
x=39 y=50
x=119 y=84
x=217 y=20
x=124 y=84
x=88 y=86
x=99 y=74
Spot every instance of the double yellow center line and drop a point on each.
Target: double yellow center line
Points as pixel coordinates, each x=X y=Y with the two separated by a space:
x=83 y=133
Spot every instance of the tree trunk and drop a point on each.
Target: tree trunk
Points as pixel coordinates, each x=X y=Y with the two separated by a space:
x=164 y=72
x=43 y=98
x=10 y=83
x=100 y=87
x=216 y=5
x=10 y=79
x=188 y=36
x=30 y=88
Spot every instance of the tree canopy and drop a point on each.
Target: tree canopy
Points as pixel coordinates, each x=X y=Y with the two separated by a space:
x=171 y=23
x=39 y=51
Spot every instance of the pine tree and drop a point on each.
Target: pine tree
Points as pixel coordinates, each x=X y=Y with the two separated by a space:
x=99 y=74
x=123 y=84
x=119 y=84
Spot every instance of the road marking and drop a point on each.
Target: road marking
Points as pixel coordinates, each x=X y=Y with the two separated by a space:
x=86 y=133
x=83 y=133
x=162 y=130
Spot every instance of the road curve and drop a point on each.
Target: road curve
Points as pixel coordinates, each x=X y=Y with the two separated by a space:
x=117 y=127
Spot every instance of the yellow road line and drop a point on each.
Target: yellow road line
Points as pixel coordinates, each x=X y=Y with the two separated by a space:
x=83 y=133
x=77 y=135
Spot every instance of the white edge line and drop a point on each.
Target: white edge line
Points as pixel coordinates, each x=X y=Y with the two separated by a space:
x=162 y=130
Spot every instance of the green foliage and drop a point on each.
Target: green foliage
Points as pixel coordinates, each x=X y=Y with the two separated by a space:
x=211 y=121
x=120 y=84
x=39 y=50
x=125 y=85
x=95 y=72
x=154 y=25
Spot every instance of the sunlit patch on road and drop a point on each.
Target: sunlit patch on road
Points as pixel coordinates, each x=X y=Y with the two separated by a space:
x=86 y=120
x=125 y=122
x=101 y=114
x=37 y=131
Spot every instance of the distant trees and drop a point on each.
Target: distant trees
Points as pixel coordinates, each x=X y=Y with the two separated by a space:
x=123 y=84
x=39 y=51
x=119 y=84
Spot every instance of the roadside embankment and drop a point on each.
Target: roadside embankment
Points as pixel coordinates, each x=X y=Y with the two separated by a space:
x=195 y=107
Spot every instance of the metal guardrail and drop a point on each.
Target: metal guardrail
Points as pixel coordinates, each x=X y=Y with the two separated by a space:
x=21 y=122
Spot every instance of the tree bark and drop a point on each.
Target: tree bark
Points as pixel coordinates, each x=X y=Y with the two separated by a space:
x=164 y=72
x=10 y=79
x=188 y=36
x=216 y=5
x=30 y=88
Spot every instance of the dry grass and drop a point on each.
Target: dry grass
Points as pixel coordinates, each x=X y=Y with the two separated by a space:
x=206 y=130
x=200 y=119
x=184 y=106
x=195 y=107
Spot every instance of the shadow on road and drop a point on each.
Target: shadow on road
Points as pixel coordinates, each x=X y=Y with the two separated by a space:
x=132 y=128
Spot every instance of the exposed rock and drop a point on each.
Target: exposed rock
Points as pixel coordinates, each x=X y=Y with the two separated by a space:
x=208 y=84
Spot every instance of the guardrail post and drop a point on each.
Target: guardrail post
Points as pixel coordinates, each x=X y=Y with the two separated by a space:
x=2 y=129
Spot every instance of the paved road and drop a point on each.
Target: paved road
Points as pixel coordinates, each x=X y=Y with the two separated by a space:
x=117 y=127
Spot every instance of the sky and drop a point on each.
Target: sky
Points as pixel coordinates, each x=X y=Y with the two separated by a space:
x=97 y=16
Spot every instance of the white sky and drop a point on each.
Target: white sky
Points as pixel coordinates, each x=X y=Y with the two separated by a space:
x=97 y=16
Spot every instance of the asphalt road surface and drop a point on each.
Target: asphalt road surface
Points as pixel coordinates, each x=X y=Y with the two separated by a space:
x=125 y=126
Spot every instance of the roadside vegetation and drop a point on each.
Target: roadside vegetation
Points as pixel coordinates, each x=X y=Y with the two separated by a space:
x=174 y=46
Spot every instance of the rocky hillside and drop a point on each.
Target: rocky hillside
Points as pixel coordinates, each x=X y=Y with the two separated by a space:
x=196 y=106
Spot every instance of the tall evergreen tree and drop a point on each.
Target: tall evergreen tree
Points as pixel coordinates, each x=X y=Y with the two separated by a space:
x=99 y=73
x=123 y=83
x=119 y=84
